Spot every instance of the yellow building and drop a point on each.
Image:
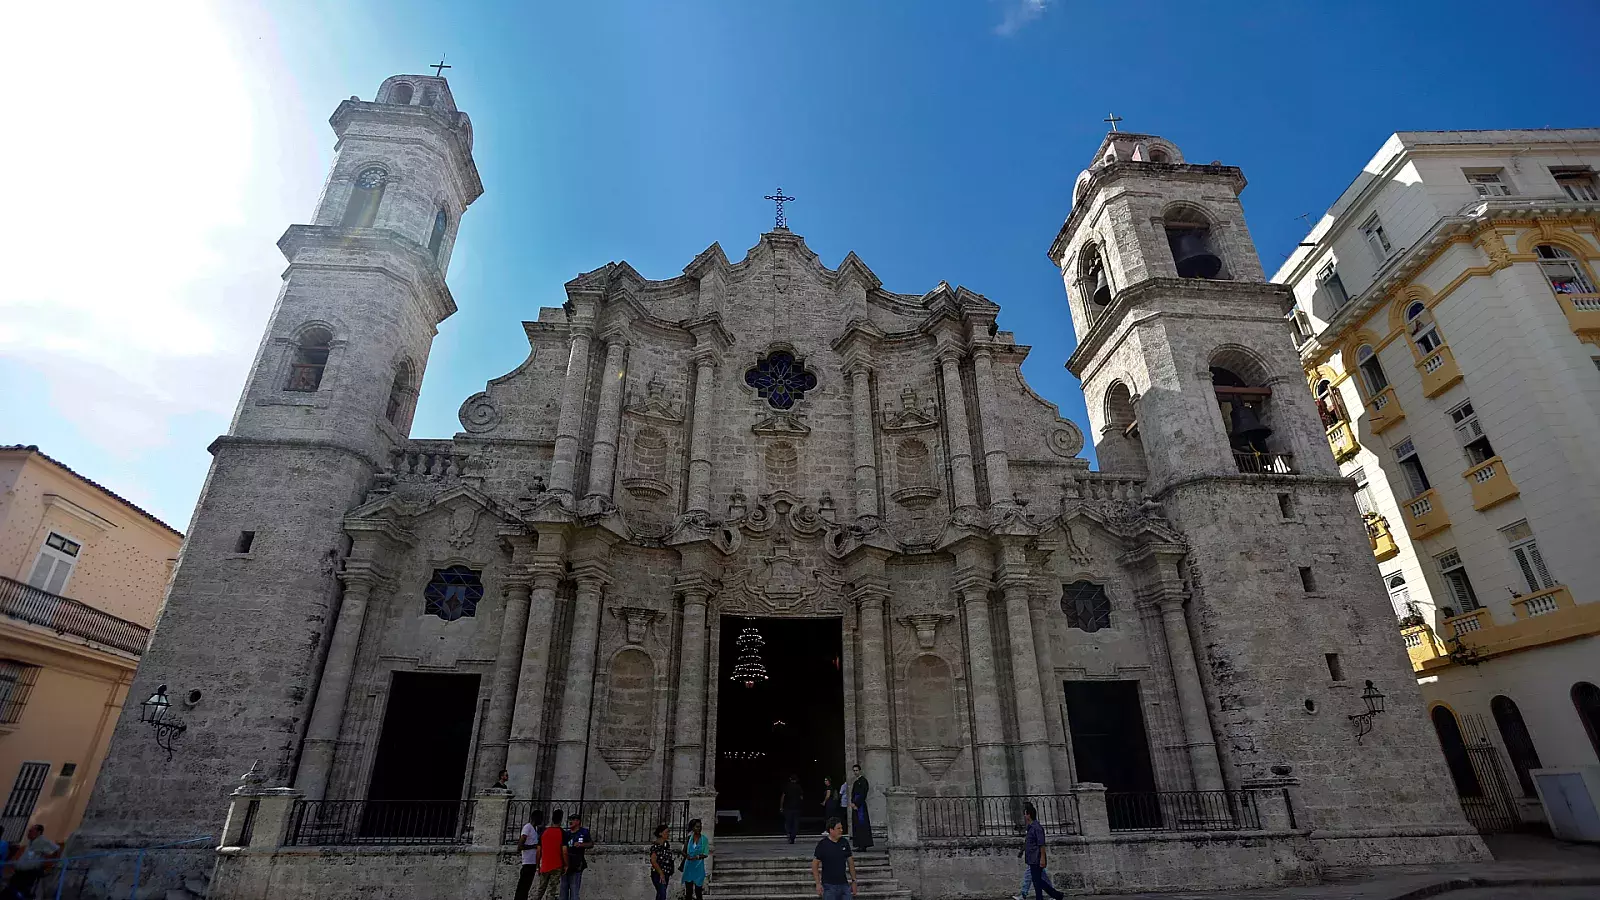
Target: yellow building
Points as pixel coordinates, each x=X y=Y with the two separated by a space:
x=1448 y=315
x=82 y=574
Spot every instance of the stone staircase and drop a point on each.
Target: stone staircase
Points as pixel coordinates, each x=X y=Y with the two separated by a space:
x=771 y=869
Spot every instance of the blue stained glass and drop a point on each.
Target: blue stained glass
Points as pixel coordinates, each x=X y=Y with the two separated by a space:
x=780 y=379
x=453 y=593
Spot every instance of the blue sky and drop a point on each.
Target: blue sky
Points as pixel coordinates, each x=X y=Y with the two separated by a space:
x=172 y=143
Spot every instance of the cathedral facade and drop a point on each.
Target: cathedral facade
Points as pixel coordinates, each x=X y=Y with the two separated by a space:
x=777 y=447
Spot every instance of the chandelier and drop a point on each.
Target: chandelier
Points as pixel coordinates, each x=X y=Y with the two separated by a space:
x=749 y=668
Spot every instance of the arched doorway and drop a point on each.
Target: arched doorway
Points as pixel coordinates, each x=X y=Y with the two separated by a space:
x=1455 y=752
x=1519 y=743
x=1586 y=700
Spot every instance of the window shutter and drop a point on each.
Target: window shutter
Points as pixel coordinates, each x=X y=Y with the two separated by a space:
x=1461 y=589
x=58 y=578
x=40 y=576
x=1545 y=581
x=1523 y=563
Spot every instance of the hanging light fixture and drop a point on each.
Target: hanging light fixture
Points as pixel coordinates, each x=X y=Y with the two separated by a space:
x=749 y=669
x=153 y=712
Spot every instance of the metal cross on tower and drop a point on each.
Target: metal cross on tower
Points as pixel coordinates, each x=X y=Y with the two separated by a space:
x=1113 y=118
x=779 y=199
x=438 y=68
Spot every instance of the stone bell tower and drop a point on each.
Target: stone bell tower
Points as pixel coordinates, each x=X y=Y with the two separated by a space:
x=243 y=633
x=1192 y=380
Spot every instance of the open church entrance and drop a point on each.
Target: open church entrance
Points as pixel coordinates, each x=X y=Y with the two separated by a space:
x=792 y=722
x=421 y=762
x=1110 y=746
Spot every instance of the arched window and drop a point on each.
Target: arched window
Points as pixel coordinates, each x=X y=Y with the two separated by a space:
x=1194 y=250
x=1519 y=743
x=1565 y=274
x=1419 y=322
x=1400 y=595
x=1371 y=370
x=401 y=93
x=1121 y=448
x=1238 y=379
x=440 y=223
x=310 y=360
x=1455 y=752
x=1158 y=155
x=365 y=195
x=1586 y=700
x=399 y=393
x=1329 y=405
x=1094 y=282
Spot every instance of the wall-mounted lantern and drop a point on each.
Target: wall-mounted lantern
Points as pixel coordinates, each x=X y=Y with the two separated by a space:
x=1373 y=698
x=154 y=712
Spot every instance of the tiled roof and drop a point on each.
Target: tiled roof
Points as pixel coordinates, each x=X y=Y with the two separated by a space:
x=33 y=448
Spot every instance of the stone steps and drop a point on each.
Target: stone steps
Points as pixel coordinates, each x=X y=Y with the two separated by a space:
x=758 y=870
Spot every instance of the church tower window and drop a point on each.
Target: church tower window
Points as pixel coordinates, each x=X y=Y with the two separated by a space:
x=401 y=94
x=453 y=593
x=780 y=379
x=441 y=221
x=310 y=360
x=1086 y=605
x=362 y=211
x=399 y=393
x=1194 y=250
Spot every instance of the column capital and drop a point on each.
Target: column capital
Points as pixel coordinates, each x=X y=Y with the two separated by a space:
x=856 y=367
x=360 y=574
x=949 y=353
x=694 y=584
x=870 y=590
x=983 y=351
x=973 y=588
x=705 y=358
x=615 y=337
x=580 y=328
x=590 y=576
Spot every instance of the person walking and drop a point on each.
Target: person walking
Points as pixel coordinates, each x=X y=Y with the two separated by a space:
x=1033 y=851
x=790 y=803
x=696 y=849
x=860 y=819
x=576 y=842
x=39 y=854
x=831 y=808
x=661 y=862
x=833 y=866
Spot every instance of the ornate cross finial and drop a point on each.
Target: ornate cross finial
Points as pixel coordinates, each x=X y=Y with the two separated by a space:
x=779 y=199
x=439 y=67
x=1113 y=118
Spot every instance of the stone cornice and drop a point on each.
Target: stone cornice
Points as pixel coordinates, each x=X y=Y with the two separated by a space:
x=423 y=276
x=1112 y=321
x=231 y=440
x=438 y=122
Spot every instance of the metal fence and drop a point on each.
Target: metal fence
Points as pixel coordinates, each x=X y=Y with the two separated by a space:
x=608 y=821
x=943 y=817
x=156 y=870
x=1183 y=811
x=67 y=616
x=339 y=822
x=1252 y=463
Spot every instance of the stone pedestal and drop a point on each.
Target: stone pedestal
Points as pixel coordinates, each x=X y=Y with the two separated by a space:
x=901 y=804
x=274 y=808
x=489 y=818
x=1092 y=816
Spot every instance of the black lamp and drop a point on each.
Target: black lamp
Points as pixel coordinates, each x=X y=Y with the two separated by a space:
x=1373 y=698
x=153 y=712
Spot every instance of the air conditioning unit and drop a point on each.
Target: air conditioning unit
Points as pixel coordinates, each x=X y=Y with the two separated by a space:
x=1571 y=798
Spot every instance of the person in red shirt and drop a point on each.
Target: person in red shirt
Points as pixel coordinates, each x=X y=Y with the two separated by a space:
x=549 y=851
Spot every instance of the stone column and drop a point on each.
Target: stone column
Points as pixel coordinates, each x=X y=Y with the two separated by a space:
x=989 y=738
x=572 y=741
x=864 y=443
x=1191 y=702
x=603 y=456
x=333 y=689
x=527 y=717
x=503 y=689
x=996 y=464
x=1032 y=733
x=873 y=654
x=574 y=390
x=964 y=489
x=688 y=739
x=705 y=368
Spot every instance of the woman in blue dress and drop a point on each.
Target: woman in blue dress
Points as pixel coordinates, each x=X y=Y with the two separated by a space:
x=695 y=851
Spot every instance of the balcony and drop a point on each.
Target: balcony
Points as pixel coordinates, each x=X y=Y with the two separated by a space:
x=1342 y=438
x=1467 y=623
x=1380 y=537
x=1425 y=515
x=1583 y=315
x=1491 y=484
x=1439 y=372
x=1252 y=463
x=1383 y=411
x=1422 y=645
x=1542 y=603
x=69 y=617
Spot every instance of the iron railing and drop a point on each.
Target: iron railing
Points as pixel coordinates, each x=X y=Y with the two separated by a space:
x=1183 y=811
x=1252 y=463
x=608 y=821
x=156 y=871
x=341 y=822
x=944 y=817
x=67 y=616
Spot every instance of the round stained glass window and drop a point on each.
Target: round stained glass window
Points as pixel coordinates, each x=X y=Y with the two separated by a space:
x=780 y=379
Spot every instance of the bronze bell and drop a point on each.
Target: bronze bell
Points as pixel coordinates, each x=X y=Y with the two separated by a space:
x=1247 y=426
x=1191 y=252
x=1102 y=288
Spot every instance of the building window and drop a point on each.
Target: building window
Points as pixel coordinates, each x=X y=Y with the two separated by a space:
x=1519 y=743
x=1423 y=332
x=310 y=360
x=1363 y=493
x=53 y=566
x=362 y=210
x=1330 y=288
x=399 y=393
x=1300 y=327
x=1488 y=184
x=1335 y=668
x=1411 y=465
x=1086 y=605
x=1565 y=274
x=1194 y=250
x=1377 y=238
x=453 y=593
x=1525 y=553
x=1285 y=506
x=247 y=539
x=1308 y=580
x=440 y=223
x=1470 y=433
x=1586 y=700
x=780 y=379
x=1577 y=184
x=16 y=683
x=1455 y=576
x=401 y=93
x=25 y=792
x=1400 y=595
x=1371 y=370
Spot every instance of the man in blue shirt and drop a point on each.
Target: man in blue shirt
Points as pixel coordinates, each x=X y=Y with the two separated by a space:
x=576 y=839
x=833 y=866
x=1034 y=855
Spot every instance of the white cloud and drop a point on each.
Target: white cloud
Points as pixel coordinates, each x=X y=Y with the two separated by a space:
x=1019 y=13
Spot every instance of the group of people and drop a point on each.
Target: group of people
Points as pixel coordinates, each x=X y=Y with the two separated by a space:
x=847 y=804
x=26 y=862
x=554 y=858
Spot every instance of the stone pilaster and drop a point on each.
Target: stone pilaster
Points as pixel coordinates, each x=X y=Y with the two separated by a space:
x=872 y=597
x=688 y=740
x=574 y=389
x=705 y=368
x=996 y=464
x=989 y=736
x=503 y=686
x=603 y=455
x=963 y=487
x=327 y=715
x=572 y=740
x=1191 y=701
x=864 y=440
x=527 y=717
x=1032 y=733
